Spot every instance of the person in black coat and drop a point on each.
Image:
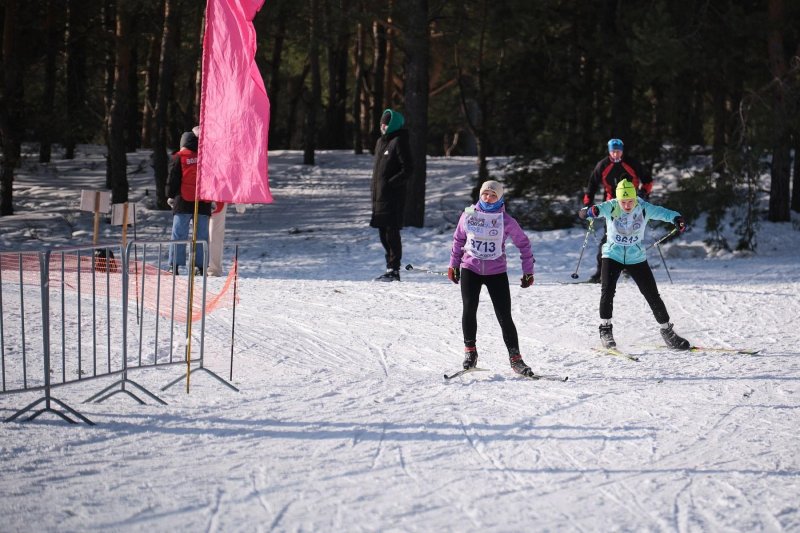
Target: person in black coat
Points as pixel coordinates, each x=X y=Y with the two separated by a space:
x=389 y=176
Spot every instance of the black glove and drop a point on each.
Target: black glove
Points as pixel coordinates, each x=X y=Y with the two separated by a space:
x=641 y=193
x=680 y=225
x=454 y=274
x=588 y=212
x=526 y=281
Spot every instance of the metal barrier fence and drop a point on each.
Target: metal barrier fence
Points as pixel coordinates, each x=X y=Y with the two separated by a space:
x=182 y=306
x=65 y=318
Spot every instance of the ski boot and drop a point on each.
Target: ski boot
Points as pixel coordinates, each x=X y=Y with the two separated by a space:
x=673 y=340
x=389 y=275
x=607 y=336
x=518 y=365
x=470 y=357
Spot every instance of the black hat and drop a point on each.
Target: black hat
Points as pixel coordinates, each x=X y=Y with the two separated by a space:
x=188 y=138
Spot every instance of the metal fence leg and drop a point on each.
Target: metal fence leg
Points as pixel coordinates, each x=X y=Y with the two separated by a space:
x=99 y=398
x=199 y=369
x=44 y=266
x=47 y=409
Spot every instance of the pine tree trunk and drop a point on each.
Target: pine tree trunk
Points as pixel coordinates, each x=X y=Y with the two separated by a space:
x=132 y=130
x=779 y=182
x=76 y=48
x=780 y=179
x=310 y=128
x=358 y=60
x=796 y=175
x=416 y=105
x=118 y=161
x=150 y=89
x=10 y=106
x=719 y=142
x=378 y=72
x=151 y=70
x=197 y=87
x=166 y=74
x=278 y=135
x=45 y=122
x=109 y=48
x=621 y=75
x=388 y=91
x=476 y=102
x=338 y=45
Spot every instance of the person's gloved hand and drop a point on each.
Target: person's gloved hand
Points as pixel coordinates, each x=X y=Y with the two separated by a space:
x=680 y=225
x=171 y=202
x=241 y=208
x=588 y=212
x=526 y=281
x=454 y=274
x=643 y=194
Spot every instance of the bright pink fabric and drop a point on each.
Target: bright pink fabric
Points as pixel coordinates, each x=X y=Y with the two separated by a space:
x=234 y=108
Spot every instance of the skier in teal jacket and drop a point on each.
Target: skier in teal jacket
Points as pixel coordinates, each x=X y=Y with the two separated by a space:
x=626 y=220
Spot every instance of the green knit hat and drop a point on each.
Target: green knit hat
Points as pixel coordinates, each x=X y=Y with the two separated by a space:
x=626 y=190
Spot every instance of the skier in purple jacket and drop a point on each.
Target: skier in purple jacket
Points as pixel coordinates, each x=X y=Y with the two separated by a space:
x=478 y=258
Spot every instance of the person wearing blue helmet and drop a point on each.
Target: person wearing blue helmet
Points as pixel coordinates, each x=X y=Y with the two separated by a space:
x=608 y=173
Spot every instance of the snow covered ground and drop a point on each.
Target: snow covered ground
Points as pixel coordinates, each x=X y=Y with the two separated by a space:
x=344 y=422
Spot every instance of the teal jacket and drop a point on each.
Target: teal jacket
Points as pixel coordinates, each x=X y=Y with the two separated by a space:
x=625 y=231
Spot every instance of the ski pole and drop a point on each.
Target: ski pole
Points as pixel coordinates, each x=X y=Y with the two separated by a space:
x=664 y=238
x=426 y=271
x=665 y=264
x=574 y=275
x=235 y=287
x=136 y=267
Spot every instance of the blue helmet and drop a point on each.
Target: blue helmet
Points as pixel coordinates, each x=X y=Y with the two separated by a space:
x=615 y=144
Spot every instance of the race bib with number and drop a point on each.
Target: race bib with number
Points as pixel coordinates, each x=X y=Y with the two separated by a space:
x=628 y=230
x=484 y=234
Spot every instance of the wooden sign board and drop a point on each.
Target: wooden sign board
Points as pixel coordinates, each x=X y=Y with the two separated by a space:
x=99 y=201
x=120 y=212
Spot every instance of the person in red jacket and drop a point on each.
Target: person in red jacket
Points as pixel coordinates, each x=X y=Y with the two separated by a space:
x=608 y=172
x=181 y=196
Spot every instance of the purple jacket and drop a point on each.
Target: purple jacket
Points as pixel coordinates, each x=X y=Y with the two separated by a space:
x=488 y=267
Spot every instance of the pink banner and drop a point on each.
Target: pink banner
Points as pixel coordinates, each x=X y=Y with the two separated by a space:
x=234 y=108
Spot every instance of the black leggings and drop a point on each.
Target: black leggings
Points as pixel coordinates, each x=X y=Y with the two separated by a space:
x=642 y=275
x=390 y=239
x=500 y=294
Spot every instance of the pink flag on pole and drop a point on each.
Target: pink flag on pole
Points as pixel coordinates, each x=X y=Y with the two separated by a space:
x=234 y=108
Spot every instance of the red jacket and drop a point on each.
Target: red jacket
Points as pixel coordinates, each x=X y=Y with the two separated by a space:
x=182 y=183
x=609 y=174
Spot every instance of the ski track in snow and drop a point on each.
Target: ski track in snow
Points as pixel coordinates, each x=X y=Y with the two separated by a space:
x=344 y=422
